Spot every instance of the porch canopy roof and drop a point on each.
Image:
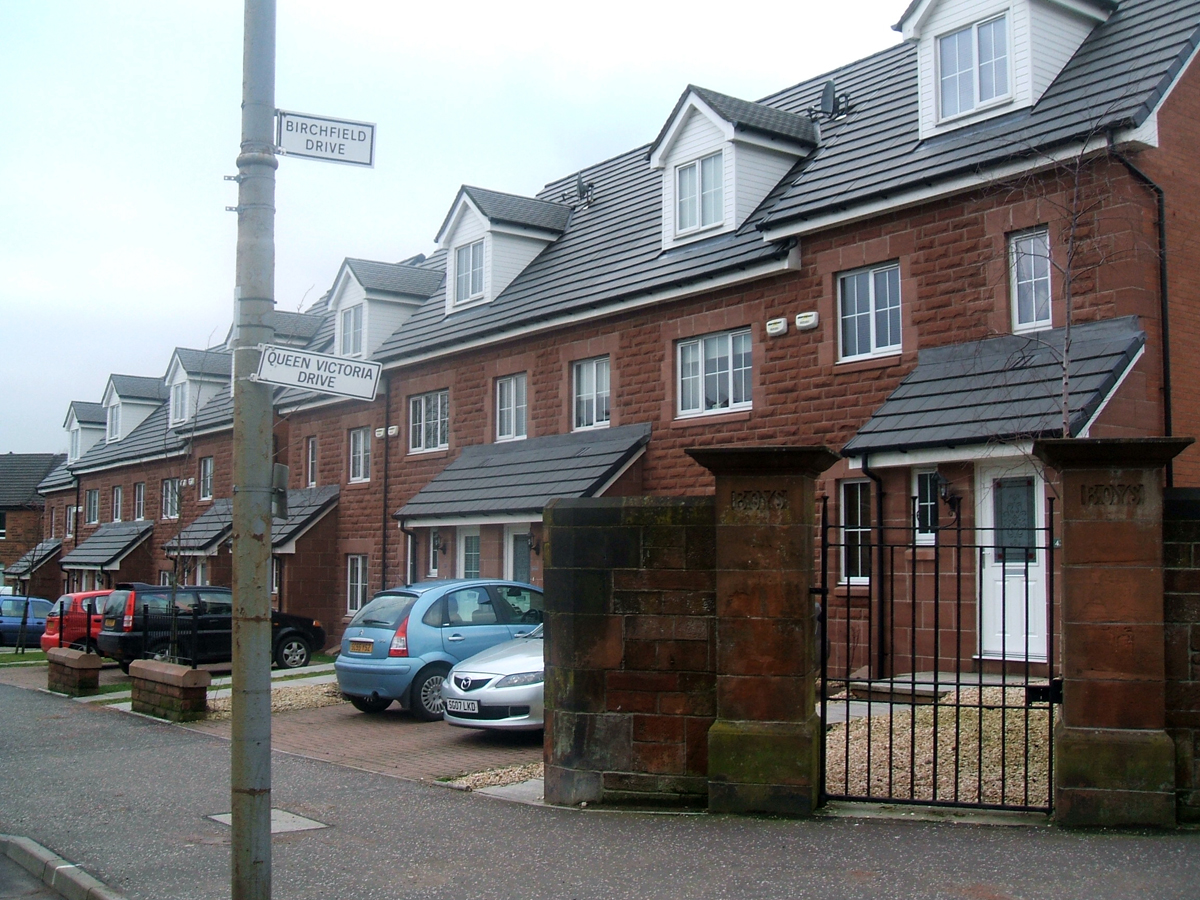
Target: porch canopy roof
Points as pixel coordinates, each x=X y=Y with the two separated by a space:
x=213 y=528
x=110 y=544
x=518 y=478
x=34 y=559
x=1006 y=388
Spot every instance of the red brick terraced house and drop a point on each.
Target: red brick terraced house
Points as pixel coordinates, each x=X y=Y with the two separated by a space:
x=25 y=548
x=898 y=259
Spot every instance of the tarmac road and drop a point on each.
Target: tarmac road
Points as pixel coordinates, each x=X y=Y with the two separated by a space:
x=127 y=798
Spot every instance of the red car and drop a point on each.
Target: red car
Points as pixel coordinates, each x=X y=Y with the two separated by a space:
x=77 y=632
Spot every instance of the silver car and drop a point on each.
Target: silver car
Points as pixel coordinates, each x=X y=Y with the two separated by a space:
x=498 y=688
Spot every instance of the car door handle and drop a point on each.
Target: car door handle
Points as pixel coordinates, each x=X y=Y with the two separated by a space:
x=521 y=634
x=456 y=637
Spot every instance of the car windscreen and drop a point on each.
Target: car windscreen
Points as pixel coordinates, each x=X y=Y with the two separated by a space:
x=385 y=611
x=114 y=605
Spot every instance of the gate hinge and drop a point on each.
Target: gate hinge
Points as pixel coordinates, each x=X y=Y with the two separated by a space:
x=1041 y=694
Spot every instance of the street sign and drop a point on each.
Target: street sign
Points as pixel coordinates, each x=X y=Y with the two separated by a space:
x=288 y=367
x=320 y=137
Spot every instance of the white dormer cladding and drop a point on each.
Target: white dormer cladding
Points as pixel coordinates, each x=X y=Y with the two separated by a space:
x=124 y=415
x=978 y=59
x=717 y=169
x=368 y=308
x=189 y=392
x=82 y=436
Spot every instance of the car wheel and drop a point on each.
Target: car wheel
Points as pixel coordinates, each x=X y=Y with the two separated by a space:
x=86 y=647
x=162 y=653
x=369 y=704
x=292 y=652
x=426 y=692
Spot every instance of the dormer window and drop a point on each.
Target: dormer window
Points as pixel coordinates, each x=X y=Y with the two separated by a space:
x=352 y=331
x=973 y=67
x=468 y=272
x=700 y=193
x=179 y=402
x=114 y=423
x=75 y=443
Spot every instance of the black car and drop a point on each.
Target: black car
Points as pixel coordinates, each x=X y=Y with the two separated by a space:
x=202 y=622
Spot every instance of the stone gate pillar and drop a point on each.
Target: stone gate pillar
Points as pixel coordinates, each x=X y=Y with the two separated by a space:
x=764 y=747
x=1114 y=762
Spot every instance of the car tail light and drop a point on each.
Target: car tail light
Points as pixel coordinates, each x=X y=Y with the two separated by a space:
x=400 y=640
x=128 y=623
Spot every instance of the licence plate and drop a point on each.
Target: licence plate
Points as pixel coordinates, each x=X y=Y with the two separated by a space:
x=110 y=623
x=467 y=706
x=361 y=646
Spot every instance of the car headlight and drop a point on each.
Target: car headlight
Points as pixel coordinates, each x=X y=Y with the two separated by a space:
x=520 y=679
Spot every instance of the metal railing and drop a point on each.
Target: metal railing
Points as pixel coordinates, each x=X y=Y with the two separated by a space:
x=173 y=636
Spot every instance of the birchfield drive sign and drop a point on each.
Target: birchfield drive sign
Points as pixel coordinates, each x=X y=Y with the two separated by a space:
x=289 y=367
x=320 y=137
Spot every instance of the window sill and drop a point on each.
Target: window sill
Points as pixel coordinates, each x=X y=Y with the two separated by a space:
x=354 y=482
x=862 y=364
x=982 y=109
x=599 y=427
x=712 y=418
x=1032 y=329
x=436 y=452
x=509 y=440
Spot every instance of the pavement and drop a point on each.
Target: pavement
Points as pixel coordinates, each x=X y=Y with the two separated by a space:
x=130 y=801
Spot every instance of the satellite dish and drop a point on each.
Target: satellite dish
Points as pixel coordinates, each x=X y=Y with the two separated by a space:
x=829 y=99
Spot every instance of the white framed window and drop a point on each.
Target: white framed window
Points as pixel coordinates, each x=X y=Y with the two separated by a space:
x=53 y=523
x=4 y=525
x=352 y=331
x=356 y=582
x=511 y=405
x=468 y=272
x=925 y=506
x=118 y=499
x=91 y=506
x=206 y=478
x=973 y=67
x=202 y=576
x=869 y=307
x=716 y=373
x=276 y=566
x=179 y=402
x=591 y=393
x=71 y=512
x=360 y=454
x=1029 y=266
x=468 y=552
x=435 y=549
x=139 y=501
x=170 y=498
x=856 y=531
x=429 y=421
x=700 y=193
x=113 y=431
x=75 y=444
x=310 y=462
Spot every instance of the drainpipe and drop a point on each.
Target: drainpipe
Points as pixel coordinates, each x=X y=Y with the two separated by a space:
x=1164 y=313
x=412 y=556
x=882 y=627
x=387 y=422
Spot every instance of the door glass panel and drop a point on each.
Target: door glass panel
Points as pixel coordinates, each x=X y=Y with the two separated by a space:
x=520 y=557
x=1013 y=511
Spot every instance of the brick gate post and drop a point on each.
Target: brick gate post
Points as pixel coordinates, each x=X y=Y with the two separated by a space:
x=1114 y=761
x=764 y=748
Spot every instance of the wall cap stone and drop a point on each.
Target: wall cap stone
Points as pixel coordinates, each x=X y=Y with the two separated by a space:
x=73 y=659
x=1109 y=453
x=169 y=673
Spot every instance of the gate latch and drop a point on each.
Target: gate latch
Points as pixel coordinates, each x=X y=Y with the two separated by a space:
x=1042 y=694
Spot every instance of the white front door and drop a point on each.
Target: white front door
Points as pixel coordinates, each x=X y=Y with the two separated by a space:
x=1011 y=515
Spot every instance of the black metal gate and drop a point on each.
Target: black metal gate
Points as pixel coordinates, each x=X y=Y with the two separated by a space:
x=938 y=679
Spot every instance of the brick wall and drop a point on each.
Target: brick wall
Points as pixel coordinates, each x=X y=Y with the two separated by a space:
x=630 y=637
x=23 y=531
x=1181 y=576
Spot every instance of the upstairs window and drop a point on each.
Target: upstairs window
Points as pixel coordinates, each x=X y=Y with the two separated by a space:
x=206 y=478
x=310 y=457
x=179 y=402
x=118 y=500
x=700 y=194
x=511 y=405
x=114 y=423
x=468 y=272
x=869 y=304
x=170 y=498
x=70 y=523
x=75 y=444
x=591 y=393
x=360 y=454
x=91 y=507
x=429 y=421
x=139 y=501
x=1029 y=264
x=715 y=373
x=352 y=331
x=973 y=67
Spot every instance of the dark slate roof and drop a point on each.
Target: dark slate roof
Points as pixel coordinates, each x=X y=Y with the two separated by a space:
x=305 y=506
x=211 y=363
x=208 y=530
x=523 y=476
x=34 y=559
x=1001 y=388
x=747 y=116
x=88 y=413
x=611 y=251
x=20 y=474
x=110 y=544
x=1113 y=81
x=512 y=209
x=139 y=387
x=60 y=477
x=216 y=413
x=395 y=278
x=290 y=327
x=154 y=437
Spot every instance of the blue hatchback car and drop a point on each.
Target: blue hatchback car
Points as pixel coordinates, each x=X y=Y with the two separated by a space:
x=401 y=645
x=13 y=610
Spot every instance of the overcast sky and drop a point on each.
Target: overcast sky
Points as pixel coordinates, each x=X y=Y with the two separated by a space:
x=121 y=119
